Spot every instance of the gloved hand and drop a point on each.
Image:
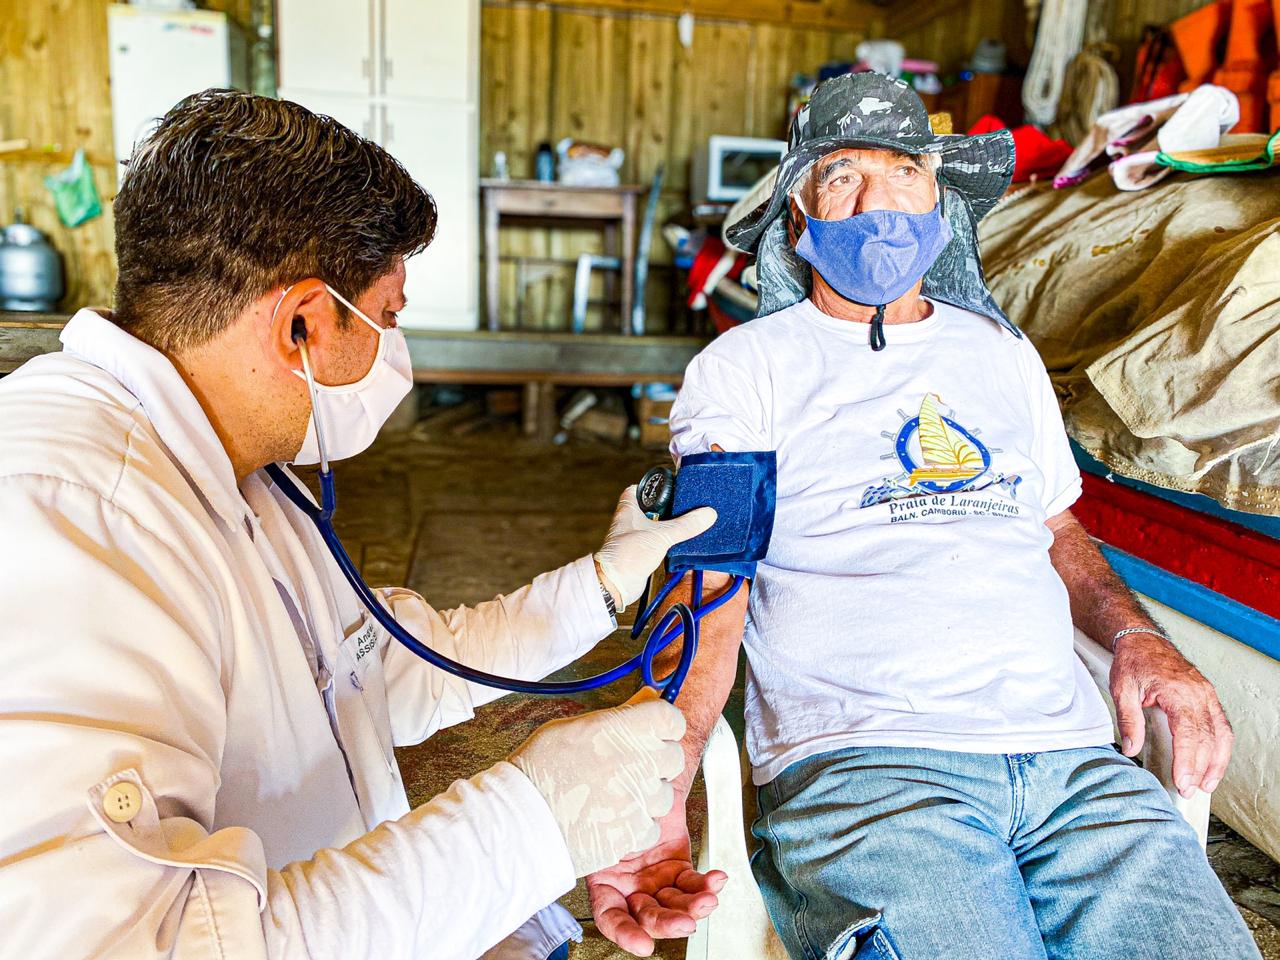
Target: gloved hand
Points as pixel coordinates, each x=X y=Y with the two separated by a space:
x=635 y=545
x=606 y=776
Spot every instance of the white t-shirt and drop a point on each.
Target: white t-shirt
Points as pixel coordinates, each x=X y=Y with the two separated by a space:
x=907 y=598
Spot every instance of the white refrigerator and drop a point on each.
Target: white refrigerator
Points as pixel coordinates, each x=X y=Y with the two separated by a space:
x=158 y=57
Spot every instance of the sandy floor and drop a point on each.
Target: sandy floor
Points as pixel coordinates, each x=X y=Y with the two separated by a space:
x=463 y=518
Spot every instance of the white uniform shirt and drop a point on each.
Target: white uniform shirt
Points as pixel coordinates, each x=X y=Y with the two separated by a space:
x=907 y=598
x=194 y=705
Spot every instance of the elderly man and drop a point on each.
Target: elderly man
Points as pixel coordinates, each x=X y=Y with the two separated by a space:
x=935 y=766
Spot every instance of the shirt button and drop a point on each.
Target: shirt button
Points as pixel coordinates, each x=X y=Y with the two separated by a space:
x=122 y=801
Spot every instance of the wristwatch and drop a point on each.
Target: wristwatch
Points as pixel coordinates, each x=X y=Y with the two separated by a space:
x=608 y=601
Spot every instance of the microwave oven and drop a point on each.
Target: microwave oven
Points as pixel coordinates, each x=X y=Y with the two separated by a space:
x=726 y=168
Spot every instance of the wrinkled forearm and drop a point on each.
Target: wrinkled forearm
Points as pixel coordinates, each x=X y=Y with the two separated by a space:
x=710 y=678
x=1101 y=603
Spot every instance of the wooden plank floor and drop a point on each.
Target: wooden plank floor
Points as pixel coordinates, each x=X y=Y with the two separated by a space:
x=461 y=519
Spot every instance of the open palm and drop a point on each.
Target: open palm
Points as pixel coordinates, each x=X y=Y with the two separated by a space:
x=655 y=894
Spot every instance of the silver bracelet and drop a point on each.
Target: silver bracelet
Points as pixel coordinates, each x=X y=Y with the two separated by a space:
x=1151 y=630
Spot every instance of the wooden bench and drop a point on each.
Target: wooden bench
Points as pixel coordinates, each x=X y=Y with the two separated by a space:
x=539 y=362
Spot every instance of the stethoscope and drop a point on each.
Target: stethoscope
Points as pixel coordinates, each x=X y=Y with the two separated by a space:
x=654 y=494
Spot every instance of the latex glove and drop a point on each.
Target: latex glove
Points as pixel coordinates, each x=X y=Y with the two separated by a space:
x=636 y=545
x=606 y=777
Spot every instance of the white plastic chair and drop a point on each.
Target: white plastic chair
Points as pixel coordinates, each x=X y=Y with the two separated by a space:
x=740 y=928
x=633 y=324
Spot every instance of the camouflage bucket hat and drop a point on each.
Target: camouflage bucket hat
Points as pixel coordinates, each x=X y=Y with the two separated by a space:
x=876 y=112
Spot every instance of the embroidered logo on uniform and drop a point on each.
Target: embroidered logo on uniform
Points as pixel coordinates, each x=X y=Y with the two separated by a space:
x=937 y=455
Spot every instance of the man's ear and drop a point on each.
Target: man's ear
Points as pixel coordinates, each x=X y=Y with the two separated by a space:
x=305 y=311
x=795 y=220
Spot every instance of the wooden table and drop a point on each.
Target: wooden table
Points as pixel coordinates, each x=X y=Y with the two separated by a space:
x=550 y=204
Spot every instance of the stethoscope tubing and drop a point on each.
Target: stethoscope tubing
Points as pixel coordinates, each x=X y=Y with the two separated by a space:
x=681 y=620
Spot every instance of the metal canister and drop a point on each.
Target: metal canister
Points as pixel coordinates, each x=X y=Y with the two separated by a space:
x=31 y=275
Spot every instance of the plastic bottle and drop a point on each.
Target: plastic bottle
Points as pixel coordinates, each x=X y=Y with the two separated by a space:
x=545 y=163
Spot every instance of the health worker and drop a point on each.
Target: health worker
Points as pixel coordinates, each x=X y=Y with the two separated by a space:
x=197 y=717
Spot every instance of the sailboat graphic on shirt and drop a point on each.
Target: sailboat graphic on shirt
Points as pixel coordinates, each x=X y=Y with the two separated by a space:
x=947 y=454
x=937 y=455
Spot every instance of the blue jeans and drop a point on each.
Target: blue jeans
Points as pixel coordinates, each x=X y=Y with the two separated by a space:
x=910 y=854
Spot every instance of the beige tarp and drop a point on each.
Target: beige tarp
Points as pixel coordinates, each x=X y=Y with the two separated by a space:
x=1158 y=316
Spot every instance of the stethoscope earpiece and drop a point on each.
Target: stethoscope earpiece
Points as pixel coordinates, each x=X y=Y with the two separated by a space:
x=298 y=333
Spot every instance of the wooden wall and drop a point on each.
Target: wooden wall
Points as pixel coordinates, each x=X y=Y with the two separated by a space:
x=948 y=30
x=1128 y=17
x=620 y=77
x=55 y=91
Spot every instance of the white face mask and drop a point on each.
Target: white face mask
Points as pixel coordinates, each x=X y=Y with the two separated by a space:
x=345 y=419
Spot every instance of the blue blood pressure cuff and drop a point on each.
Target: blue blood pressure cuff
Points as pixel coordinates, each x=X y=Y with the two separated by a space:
x=742 y=488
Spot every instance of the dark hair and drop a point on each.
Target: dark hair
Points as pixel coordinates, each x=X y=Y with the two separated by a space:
x=236 y=194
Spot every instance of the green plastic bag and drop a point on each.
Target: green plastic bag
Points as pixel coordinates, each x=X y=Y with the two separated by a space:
x=74 y=193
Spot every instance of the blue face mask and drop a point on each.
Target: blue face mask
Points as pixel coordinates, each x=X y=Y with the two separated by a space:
x=874 y=257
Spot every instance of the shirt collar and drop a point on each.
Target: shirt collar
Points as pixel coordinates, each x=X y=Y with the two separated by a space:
x=169 y=403
x=899 y=333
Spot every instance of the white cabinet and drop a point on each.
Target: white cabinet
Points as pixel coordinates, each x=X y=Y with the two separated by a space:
x=357 y=113
x=429 y=50
x=404 y=73
x=435 y=149
x=327 y=45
